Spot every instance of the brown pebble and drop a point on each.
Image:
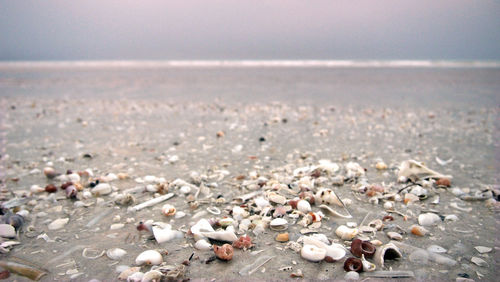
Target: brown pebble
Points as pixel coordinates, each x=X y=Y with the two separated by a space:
x=51 y=188
x=282 y=237
x=443 y=182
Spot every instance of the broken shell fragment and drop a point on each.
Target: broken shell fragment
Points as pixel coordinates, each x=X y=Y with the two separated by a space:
x=127 y=272
x=168 y=210
x=224 y=252
x=101 y=189
x=367 y=266
x=360 y=248
x=332 y=212
x=115 y=253
x=149 y=257
x=334 y=251
x=387 y=252
x=427 y=219
x=414 y=170
x=353 y=264
x=328 y=197
x=221 y=235
x=165 y=234
x=276 y=198
x=312 y=253
x=482 y=249
x=7 y=231
x=380 y=166
x=244 y=242
x=346 y=233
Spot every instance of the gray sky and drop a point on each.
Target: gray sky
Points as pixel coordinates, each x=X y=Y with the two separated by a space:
x=232 y=29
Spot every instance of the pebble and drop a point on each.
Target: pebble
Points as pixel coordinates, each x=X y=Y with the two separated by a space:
x=482 y=249
x=58 y=223
x=479 y=261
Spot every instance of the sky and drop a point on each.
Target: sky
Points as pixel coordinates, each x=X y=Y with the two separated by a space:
x=249 y=30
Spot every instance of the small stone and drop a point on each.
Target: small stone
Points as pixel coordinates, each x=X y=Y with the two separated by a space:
x=116 y=226
x=482 y=249
x=282 y=237
x=58 y=223
x=479 y=261
x=443 y=182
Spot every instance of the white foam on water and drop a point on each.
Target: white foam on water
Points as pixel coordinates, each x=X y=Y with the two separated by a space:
x=254 y=64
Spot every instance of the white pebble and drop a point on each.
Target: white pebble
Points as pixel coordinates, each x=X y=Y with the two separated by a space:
x=58 y=223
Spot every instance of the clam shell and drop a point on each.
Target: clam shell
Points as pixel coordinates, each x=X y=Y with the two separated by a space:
x=386 y=252
x=312 y=253
x=149 y=257
x=115 y=253
x=303 y=206
x=278 y=224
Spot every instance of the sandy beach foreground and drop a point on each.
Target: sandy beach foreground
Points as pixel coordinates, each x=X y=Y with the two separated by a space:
x=208 y=154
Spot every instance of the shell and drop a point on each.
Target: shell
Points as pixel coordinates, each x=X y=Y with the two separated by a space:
x=353 y=264
x=7 y=231
x=334 y=251
x=351 y=276
x=135 y=277
x=275 y=198
x=201 y=226
x=346 y=233
x=49 y=172
x=152 y=275
x=312 y=253
x=332 y=212
x=58 y=223
x=224 y=252
x=428 y=219
x=149 y=257
x=282 y=237
x=115 y=253
x=328 y=197
x=168 y=210
x=386 y=252
x=213 y=210
x=367 y=266
x=380 y=166
x=127 y=272
x=101 y=189
x=394 y=235
x=165 y=234
x=414 y=170
x=361 y=248
x=278 y=224
x=221 y=235
x=354 y=170
x=303 y=206
x=202 y=245
x=418 y=230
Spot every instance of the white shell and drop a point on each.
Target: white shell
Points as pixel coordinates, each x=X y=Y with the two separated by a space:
x=482 y=249
x=278 y=224
x=165 y=234
x=202 y=245
x=354 y=170
x=479 y=261
x=127 y=272
x=351 y=276
x=115 y=253
x=201 y=226
x=222 y=235
x=367 y=266
x=152 y=275
x=101 y=189
x=168 y=210
x=275 y=198
x=416 y=170
x=451 y=217
x=335 y=251
x=239 y=213
x=36 y=189
x=328 y=197
x=58 y=223
x=312 y=253
x=135 y=277
x=387 y=251
x=149 y=257
x=328 y=166
x=7 y=231
x=428 y=219
x=346 y=233
x=303 y=206
x=436 y=249
x=395 y=235
x=261 y=202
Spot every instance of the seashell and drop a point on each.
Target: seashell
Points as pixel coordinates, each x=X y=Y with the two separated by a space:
x=239 y=213
x=362 y=248
x=202 y=245
x=303 y=206
x=353 y=264
x=165 y=234
x=261 y=202
x=201 y=225
x=346 y=233
x=168 y=210
x=282 y=237
x=36 y=189
x=101 y=189
x=351 y=276
x=50 y=188
x=414 y=170
x=334 y=251
x=116 y=226
x=428 y=219
x=312 y=253
x=7 y=231
x=90 y=253
x=149 y=257
x=135 y=277
x=367 y=266
x=394 y=235
x=479 y=261
x=443 y=182
x=152 y=275
x=225 y=222
x=436 y=249
x=354 y=170
x=328 y=166
x=58 y=223
x=418 y=230
x=482 y=249
x=420 y=192
x=244 y=242
x=386 y=252
x=278 y=224
x=127 y=272
x=124 y=199
x=380 y=166
x=222 y=235
x=451 y=217
x=213 y=210
x=328 y=197
x=224 y=252
x=377 y=224
x=410 y=198
x=115 y=253
x=276 y=198
x=332 y=212
x=49 y=172
x=389 y=205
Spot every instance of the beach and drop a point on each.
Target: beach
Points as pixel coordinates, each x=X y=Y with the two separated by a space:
x=228 y=131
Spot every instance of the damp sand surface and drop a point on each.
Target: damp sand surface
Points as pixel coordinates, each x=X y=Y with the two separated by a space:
x=169 y=137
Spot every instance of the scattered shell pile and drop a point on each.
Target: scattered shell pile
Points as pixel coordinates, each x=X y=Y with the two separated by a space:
x=307 y=210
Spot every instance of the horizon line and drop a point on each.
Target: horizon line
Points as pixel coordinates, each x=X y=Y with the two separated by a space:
x=254 y=63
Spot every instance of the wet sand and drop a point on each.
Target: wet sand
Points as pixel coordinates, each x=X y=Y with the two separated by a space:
x=171 y=140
